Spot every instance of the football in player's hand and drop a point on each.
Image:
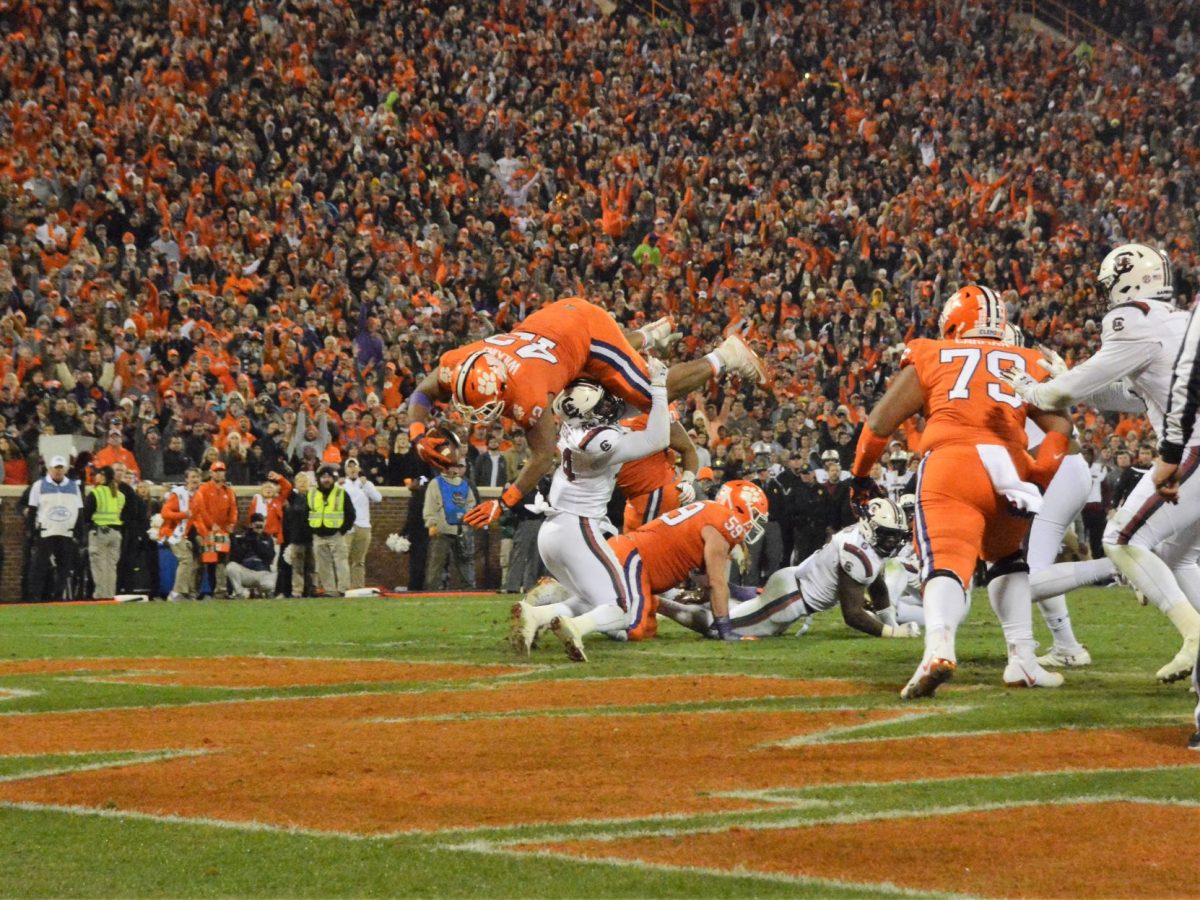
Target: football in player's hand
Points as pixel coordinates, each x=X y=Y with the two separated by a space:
x=440 y=447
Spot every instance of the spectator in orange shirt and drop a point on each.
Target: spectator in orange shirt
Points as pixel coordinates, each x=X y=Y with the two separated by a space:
x=114 y=452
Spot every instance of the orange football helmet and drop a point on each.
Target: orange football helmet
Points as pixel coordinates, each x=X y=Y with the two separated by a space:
x=973 y=311
x=477 y=388
x=748 y=503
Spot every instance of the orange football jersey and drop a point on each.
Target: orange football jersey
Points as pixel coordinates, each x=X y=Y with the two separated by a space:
x=641 y=476
x=966 y=402
x=672 y=545
x=551 y=348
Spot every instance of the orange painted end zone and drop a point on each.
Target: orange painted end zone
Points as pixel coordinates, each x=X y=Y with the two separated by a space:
x=1086 y=850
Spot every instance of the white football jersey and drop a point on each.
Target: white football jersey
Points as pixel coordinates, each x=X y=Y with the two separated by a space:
x=584 y=481
x=847 y=552
x=1140 y=341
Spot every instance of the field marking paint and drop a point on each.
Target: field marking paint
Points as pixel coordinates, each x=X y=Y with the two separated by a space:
x=847 y=818
x=688 y=707
x=136 y=758
x=16 y=694
x=837 y=734
x=766 y=877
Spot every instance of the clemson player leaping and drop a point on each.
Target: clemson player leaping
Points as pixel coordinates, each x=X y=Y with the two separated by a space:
x=519 y=374
x=974 y=494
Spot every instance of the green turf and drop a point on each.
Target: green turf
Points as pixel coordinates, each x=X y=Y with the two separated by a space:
x=105 y=852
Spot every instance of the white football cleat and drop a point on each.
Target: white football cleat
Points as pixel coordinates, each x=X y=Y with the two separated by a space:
x=738 y=357
x=659 y=335
x=1067 y=659
x=1021 y=674
x=545 y=592
x=932 y=673
x=522 y=629
x=1181 y=666
x=564 y=630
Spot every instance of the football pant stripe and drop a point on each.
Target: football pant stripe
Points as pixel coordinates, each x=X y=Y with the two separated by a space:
x=925 y=548
x=623 y=366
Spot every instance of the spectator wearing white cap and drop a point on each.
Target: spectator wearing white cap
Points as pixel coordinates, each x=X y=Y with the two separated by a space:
x=58 y=501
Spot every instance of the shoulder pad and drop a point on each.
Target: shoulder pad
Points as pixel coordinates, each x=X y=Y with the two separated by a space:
x=861 y=564
x=599 y=440
x=1125 y=322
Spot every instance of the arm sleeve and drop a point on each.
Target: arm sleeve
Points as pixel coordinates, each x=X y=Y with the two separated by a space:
x=1117 y=398
x=655 y=437
x=1114 y=361
x=1184 y=395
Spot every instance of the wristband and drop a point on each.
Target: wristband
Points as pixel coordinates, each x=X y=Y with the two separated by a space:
x=888 y=631
x=688 y=476
x=512 y=496
x=419 y=399
x=870 y=448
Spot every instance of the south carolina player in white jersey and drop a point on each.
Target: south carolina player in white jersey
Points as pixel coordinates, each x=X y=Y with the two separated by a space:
x=835 y=576
x=572 y=541
x=902 y=574
x=1141 y=338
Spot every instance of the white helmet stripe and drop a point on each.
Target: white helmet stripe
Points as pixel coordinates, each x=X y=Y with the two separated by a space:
x=464 y=370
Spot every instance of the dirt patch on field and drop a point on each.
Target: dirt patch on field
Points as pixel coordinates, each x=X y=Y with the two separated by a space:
x=424 y=760
x=252 y=672
x=1101 y=850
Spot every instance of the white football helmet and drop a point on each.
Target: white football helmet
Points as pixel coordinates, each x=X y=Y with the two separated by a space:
x=1013 y=336
x=884 y=526
x=1135 y=272
x=585 y=402
x=908 y=505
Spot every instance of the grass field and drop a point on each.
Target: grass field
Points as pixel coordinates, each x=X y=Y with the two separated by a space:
x=396 y=747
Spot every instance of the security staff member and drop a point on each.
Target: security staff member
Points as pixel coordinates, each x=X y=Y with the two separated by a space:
x=330 y=517
x=103 y=515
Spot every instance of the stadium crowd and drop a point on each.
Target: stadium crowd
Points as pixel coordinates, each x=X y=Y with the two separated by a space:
x=242 y=232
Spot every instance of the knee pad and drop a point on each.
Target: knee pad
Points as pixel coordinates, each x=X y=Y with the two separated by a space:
x=1010 y=565
x=946 y=573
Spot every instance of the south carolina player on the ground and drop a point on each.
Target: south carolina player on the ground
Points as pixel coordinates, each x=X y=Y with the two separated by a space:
x=660 y=555
x=519 y=374
x=902 y=573
x=1141 y=337
x=572 y=541
x=976 y=485
x=835 y=576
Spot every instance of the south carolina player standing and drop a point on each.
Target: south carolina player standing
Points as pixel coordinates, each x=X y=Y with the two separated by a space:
x=1142 y=336
x=572 y=542
x=519 y=374
x=974 y=495
x=1178 y=429
x=835 y=576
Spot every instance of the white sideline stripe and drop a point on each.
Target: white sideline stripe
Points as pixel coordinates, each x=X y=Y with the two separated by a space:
x=135 y=759
x=16 y=693
x=837 y=734
x=770 y=877
x=1011 y=776
x=982 y=732
x=685 y=707
x=203 y=821
x=811 y=822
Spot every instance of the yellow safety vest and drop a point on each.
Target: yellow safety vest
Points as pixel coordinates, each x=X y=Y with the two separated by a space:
x=109 y=504
x=327 y=512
